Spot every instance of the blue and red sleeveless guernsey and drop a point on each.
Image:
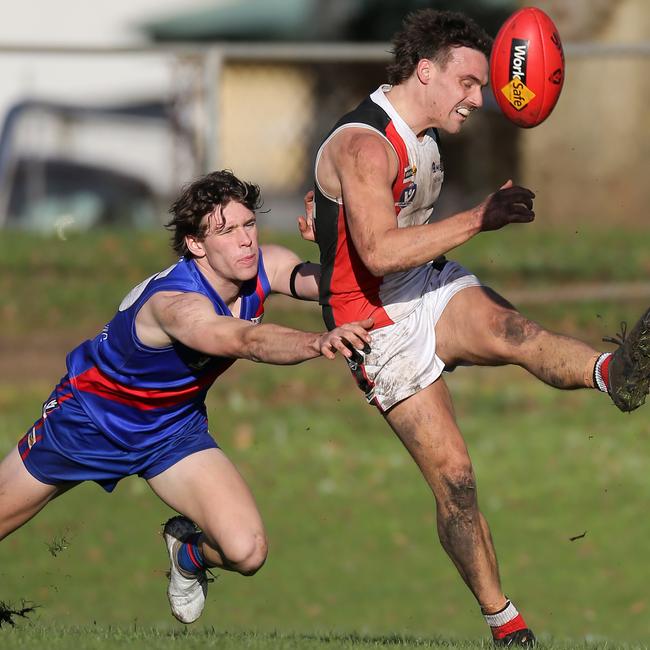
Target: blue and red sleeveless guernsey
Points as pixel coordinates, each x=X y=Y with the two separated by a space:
x=348 y=291
x=138 y=395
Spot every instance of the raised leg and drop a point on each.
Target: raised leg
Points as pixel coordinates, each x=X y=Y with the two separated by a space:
x=480 y=327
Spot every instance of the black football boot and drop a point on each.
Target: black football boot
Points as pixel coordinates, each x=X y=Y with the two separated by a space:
x=518 y=639
x=629 y=368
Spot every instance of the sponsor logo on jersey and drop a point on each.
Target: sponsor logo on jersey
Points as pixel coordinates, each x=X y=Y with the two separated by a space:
x=436 y=167
x=104 y=333
x=256 y=320
x=200 y=363
x=516 y=91
x=31 y=438
x=407 y=196
x=48 y=407
x=409 y=172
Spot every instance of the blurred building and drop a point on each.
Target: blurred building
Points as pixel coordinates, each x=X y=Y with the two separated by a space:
x=589 y=160
x=275 y=101
x=151 y=93
x=93 y=124
x=586 y=162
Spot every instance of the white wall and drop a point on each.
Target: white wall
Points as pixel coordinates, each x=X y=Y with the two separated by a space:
x=93 y=80
x=84 y=22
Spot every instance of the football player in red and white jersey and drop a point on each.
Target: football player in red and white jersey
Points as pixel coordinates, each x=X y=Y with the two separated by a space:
x=377 y=176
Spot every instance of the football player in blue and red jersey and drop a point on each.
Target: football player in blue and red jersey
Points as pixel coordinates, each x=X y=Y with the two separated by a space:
x=133 y=398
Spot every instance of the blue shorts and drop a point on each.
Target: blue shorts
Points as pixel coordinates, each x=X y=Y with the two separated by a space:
x=66 y=446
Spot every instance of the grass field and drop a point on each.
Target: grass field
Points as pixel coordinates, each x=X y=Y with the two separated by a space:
x=354 y=560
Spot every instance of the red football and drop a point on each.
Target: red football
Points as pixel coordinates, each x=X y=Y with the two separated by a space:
x=527 y=67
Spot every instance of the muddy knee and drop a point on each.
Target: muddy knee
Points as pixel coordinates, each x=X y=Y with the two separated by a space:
x=511 y=330
x=460 y=491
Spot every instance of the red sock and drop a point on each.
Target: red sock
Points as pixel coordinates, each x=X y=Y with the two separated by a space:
x=505 y=621
x=601 y=372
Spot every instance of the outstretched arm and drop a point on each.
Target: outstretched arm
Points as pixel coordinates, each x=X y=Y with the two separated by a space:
x=364 y=168
x=190 y=319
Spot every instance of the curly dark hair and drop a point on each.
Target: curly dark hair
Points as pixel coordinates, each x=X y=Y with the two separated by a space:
x=201 y=198
x=431 y=34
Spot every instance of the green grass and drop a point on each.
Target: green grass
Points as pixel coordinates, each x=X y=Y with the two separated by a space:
x=52 y=285
x=522 y=255
x=136 y=638
x=354 y=559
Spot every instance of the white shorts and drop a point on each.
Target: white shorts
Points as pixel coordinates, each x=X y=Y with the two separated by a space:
x=402 y=359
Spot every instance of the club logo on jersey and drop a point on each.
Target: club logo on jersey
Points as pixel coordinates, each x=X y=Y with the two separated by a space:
x=516 y=91
x=407 y=195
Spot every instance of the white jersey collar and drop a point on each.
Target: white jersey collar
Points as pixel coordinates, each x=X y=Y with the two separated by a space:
x=379 y=97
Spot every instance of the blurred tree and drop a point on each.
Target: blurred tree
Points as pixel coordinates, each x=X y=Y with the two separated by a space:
x=378 y=20
x=312 y=20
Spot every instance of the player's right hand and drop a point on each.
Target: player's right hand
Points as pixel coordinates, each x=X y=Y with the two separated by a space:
x=306 y=222
x=342 y=338
x=509 y=204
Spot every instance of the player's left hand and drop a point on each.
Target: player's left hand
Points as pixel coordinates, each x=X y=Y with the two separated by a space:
x=306 y=222
x=509 y=204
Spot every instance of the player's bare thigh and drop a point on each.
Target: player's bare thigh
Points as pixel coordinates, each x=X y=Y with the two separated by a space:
x=21 y=495
x=207 y=487
x=481 y=327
